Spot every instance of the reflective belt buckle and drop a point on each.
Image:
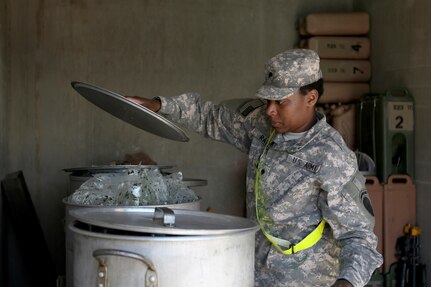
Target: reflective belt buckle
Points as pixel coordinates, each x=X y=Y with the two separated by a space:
x=290 y=250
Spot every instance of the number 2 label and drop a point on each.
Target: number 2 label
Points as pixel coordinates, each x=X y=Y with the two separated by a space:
x=400 y=116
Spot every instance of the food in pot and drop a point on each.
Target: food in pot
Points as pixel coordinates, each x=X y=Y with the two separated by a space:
x=133 y=187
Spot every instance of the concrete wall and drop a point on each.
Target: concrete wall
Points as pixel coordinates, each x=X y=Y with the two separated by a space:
x=3 y=135
x=401 y=45
x=3 y=87
x=148 y=48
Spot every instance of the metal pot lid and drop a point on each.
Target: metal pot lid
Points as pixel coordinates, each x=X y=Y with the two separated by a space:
x=130 y=112
x=113 y=168
x=163 y=221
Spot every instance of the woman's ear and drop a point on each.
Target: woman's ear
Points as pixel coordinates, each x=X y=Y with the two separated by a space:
x=312 y=97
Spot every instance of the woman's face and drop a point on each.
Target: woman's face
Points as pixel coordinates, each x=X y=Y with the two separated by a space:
x=292 y=114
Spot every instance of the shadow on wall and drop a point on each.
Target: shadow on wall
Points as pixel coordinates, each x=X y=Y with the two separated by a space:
x=19 y=223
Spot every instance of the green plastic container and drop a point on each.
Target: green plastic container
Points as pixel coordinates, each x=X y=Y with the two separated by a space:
x=385 y=129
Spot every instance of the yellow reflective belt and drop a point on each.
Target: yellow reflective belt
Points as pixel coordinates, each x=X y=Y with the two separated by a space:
x=264 y=220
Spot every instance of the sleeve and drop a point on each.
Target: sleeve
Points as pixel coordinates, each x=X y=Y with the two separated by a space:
x=209 y=120
x=350 y=214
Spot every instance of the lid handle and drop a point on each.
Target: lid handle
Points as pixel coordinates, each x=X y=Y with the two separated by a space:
x=166 y=214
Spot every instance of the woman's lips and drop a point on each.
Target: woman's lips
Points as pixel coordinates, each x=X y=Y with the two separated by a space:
x=276 y=124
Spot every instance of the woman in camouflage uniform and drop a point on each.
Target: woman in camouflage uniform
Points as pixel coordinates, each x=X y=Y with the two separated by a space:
x=303 y=184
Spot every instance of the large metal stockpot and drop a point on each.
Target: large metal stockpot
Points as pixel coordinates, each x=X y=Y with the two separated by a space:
x=194 y=205
x=161 y=247
x=81 y=174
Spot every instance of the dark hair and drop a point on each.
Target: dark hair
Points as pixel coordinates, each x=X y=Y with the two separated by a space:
x=318 y=86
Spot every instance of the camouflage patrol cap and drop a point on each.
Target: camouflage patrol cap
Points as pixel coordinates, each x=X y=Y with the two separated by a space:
x=288 y=71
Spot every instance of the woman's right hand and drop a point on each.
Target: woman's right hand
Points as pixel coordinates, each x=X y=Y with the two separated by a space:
x=152 y=104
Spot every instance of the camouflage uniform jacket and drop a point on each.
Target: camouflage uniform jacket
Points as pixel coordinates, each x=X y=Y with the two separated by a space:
x=304 y=181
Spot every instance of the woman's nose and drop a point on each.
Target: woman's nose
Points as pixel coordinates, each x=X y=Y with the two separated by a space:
x=270 y=108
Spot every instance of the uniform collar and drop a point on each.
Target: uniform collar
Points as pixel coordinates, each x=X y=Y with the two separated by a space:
x=296 y=145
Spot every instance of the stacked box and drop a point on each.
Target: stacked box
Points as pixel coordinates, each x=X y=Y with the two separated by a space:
x=344 y=49
x=343 y=120
x=339 y=24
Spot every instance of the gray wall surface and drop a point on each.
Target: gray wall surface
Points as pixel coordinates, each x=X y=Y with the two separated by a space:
x=150 y=48
x=3 y=135
x=3 y=86
x=400 y=57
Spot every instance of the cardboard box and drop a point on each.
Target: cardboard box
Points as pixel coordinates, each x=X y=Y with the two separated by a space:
x=343 y=120
x=334 y=24
x=343 y=93
x=345 y=70
x=338 y=47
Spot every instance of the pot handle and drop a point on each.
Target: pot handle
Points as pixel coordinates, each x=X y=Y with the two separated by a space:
x=166 y=214
x=102 y=278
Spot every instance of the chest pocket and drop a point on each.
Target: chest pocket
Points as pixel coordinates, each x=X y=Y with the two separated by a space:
x=281 y=159
x=294 y=177
x=282 y=172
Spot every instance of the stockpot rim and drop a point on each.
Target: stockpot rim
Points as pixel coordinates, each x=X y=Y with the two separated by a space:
x=163 y=221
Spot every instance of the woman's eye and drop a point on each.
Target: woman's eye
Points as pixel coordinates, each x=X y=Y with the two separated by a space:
x=278 y=103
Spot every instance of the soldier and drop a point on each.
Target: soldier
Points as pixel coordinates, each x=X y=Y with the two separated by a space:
x=304 y=188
